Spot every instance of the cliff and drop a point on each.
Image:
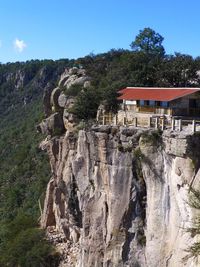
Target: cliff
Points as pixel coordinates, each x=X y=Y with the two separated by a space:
x=119 y=196
x=99 y=208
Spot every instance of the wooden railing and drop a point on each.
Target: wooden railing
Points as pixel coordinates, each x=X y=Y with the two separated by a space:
x=157 y=122
x=155 y=110
x=147 y=109
x=165 y=110
x=163 y=123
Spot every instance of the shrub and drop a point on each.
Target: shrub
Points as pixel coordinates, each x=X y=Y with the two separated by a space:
x=86 y=104
x=73 y=90
x=152 y=137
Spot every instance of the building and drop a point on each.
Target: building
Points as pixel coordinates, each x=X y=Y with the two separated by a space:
x=161 y=101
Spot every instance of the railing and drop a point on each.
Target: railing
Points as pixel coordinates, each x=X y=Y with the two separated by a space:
x=157 y=122
x=164 y=123
x=107 y=119
x=147 y=109
x=174 y=111
x=155 y=110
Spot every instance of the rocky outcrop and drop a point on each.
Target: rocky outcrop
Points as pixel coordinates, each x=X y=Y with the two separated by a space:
x=58 y=104
x=119 y=197
x=53 y=125
x=54 y=99
x=74 y=76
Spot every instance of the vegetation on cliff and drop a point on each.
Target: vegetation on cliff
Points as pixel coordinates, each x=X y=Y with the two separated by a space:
x=24 y=169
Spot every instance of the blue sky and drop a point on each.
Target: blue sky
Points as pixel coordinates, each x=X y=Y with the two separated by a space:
x=53 y=29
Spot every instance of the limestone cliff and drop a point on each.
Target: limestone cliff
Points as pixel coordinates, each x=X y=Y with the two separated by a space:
x=118 y=196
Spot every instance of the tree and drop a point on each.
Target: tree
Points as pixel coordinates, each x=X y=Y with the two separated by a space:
x=86 y=104
x=149 y=42
x=179 y=70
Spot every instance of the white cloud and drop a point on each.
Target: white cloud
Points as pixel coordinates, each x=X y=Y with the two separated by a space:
x=19 y=45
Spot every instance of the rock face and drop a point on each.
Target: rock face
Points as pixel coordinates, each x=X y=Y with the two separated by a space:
x=74 y=76
x=119 y=197
x=57 y=104
x=52 y=125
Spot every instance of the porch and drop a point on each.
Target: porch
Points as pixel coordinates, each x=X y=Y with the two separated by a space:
x=170 y=111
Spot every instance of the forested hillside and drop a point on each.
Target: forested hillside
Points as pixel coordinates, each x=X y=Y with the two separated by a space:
x=24 y=169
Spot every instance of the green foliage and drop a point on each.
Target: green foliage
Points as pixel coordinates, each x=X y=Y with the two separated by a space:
x=139 y=158
x=195 y=198
x=152 y=137
x=25 y=245
x=24 y=169
x=194 y=249
x=74 y=90
x=86 y=104
x=138 y=154
x=24 y=174
x=178 y=70
x=149 y=42
x=110 y=95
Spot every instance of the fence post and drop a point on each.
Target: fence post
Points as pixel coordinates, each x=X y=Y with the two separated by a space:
x=104 y=120
x=193 y=126
x=162 y=124
x=173 y=124
x=180 y=125
x=135 y=121
x=124 y=120
x=115 y=120
x=110 y=118
x=156 y=123
x=149 y=122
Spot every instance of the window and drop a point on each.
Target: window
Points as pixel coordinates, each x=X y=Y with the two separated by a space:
x=141 y=102
x=164 y=104
x=152 y=103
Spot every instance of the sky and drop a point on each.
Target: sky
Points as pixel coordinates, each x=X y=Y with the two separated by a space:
x=54 y=29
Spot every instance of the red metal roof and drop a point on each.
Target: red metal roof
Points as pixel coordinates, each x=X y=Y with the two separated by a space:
x=158 y=94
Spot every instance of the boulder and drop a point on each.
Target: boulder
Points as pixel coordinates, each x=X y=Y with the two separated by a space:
x=54 y=98
x=70 y=102
x=75 y=80
x=87 y=84
x=69 y=120
x=62 y=100
x=73 y=70
x=64 y=77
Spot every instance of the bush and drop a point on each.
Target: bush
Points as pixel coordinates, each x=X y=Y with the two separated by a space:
x=86 y=104
x=152 y=137
x=73 y=90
